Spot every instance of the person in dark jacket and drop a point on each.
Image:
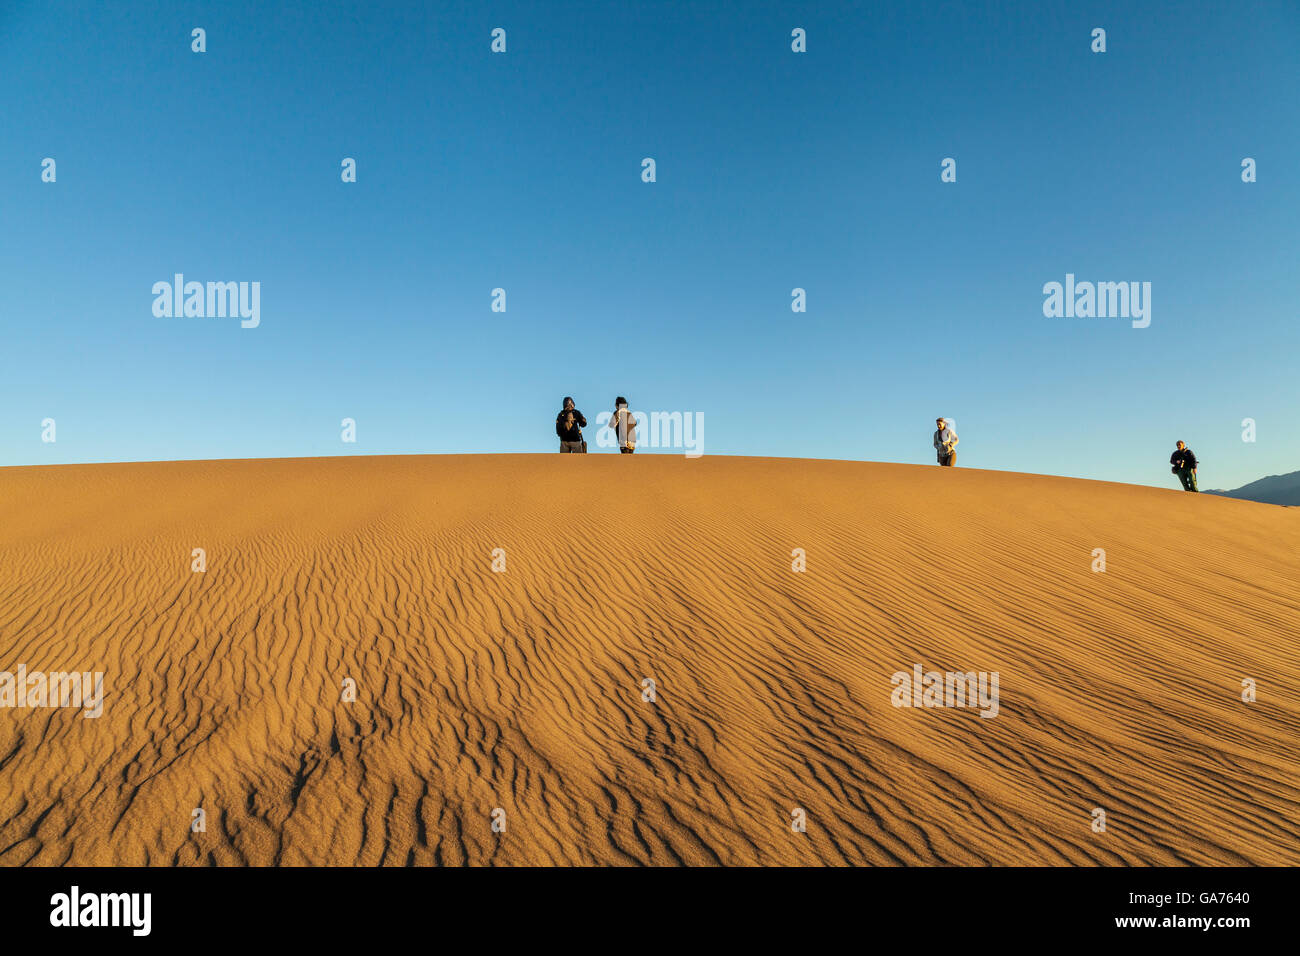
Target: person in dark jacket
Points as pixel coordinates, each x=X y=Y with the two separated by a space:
x=1184 y=466
x=569 y=425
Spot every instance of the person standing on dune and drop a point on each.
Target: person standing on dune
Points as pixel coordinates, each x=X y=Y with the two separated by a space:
x=624 y=423
x=1184 y=466
x=945 y=443
x=568 y=426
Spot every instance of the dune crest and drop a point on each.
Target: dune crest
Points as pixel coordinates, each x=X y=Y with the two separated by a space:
x=519 y=696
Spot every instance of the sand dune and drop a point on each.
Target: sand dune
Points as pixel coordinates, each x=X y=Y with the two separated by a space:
x=522 y=690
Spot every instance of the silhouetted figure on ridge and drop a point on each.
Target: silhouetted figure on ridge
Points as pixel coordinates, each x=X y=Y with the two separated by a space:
x=1183 y=464
x=568 y=426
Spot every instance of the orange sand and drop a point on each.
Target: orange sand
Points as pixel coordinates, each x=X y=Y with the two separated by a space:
x=522 y=690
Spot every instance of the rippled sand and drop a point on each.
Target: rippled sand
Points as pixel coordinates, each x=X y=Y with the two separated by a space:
x=523 y=690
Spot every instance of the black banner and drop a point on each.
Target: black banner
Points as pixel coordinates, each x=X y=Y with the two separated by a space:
x=330 y=907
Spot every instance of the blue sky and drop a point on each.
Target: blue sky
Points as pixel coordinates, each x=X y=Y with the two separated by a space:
x=775 y=170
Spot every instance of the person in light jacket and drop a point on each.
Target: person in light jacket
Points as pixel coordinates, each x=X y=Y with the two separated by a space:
x=624 y=423
x=945 y=443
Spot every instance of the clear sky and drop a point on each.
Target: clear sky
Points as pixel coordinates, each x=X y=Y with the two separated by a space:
x=775 y=170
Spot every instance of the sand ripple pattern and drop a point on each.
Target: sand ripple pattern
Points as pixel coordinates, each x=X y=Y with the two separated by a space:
x=522 y=690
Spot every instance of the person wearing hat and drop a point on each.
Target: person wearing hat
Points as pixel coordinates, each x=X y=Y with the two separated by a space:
x=1184 y=466
x=945 y=443
x=568 y=426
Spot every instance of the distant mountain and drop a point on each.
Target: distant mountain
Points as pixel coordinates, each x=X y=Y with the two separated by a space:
x=1273 y=490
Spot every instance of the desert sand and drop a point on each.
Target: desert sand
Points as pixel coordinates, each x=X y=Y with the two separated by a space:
x=522 y=690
